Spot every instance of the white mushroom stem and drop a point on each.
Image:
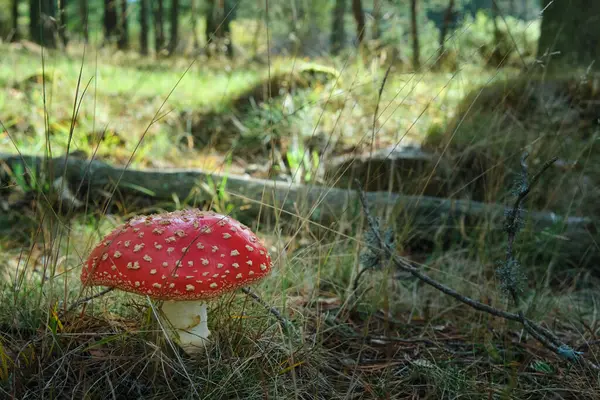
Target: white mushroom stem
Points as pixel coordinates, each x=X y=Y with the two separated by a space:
x=190 y=320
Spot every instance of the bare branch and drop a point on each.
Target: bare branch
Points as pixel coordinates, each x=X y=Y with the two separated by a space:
x=545 y=337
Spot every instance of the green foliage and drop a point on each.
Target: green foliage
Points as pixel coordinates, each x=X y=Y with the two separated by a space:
x=475 y=40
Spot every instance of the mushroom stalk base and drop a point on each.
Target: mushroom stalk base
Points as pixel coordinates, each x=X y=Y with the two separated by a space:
x=190 y=320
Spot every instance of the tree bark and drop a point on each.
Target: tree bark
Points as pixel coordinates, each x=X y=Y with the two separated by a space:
x=359 y=17
x=174 y=39
x=15 y=21
x=84 y=11
x=571 y=240
x=62 y=30
x=144 y=14
x=159 y=27
x=111 y=20
x=415 y=35
x=572 y=28
x=123 y=42
x=338 y=32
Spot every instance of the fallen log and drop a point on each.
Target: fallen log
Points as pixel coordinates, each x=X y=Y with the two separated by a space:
x=573 y=241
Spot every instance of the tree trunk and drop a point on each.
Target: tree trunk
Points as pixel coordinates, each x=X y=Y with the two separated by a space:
x=219 y=15
x=84 y=11
x=359 y=17
x=15 y=20
x=431 y=219
x=123 y=42
x=376 y=20
x=159 y=27
x=211 y=26
x=174 y=39
x=110 y=20
x=572 y=28
x=42 y=25
x=64 y=37
x=415 y=35
x=445 y=27
x=338 y=33
x=229 y=15
x=144 y=13
x=194 y=11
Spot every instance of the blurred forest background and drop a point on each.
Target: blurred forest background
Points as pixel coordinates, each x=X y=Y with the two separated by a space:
x=305 y=28
x=273 y=112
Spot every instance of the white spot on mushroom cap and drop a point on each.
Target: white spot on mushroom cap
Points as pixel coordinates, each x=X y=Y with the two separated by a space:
x=135 y=265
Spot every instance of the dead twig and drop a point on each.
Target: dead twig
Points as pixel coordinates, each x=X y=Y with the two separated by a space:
x=282 y=320
x=79 y=302
x=544 y=336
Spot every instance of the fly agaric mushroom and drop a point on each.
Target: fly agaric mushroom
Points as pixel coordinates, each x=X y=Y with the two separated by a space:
x=184 y=258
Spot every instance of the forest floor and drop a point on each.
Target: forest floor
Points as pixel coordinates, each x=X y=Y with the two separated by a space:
x=389 y=338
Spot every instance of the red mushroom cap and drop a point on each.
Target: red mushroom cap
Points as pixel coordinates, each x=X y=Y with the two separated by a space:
x=181 y=255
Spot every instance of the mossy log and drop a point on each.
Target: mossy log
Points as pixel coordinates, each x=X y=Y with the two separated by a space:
x=573 y=241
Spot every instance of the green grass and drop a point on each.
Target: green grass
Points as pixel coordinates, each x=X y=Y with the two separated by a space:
x=389 y=339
